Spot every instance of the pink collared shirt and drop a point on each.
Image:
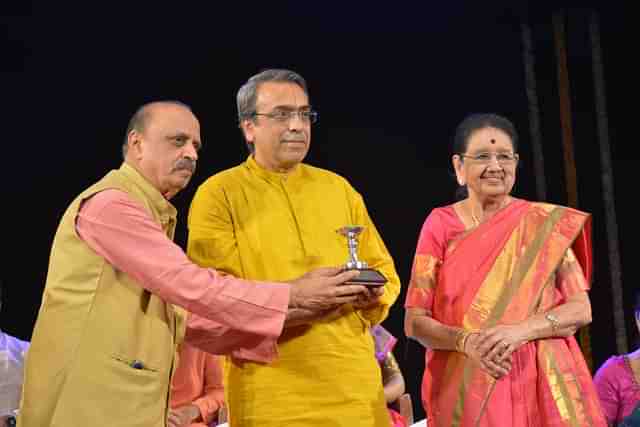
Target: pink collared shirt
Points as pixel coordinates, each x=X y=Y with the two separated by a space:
x=228 y=315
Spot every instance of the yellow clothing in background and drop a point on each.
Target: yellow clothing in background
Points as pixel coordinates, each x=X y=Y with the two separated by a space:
x=257 y=224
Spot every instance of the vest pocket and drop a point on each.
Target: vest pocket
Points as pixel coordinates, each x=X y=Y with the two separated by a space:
x=135 y=365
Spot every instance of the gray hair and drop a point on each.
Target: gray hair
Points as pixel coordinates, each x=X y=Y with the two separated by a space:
x=248 y=93
x=141 y=118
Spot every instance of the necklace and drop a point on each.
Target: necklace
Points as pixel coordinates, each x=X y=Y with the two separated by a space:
x=476 y=221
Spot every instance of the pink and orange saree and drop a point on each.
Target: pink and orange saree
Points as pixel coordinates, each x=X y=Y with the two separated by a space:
x=526 y=259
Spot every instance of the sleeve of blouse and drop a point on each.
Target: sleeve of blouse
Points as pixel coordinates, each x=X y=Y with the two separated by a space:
x=570 y=278
x=426 y=263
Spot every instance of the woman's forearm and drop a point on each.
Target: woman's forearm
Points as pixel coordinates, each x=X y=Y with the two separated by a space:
x=430 y=332
x=561 y=321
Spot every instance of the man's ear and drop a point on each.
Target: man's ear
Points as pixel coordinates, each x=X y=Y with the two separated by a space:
x=248 y=130
x=134 y=143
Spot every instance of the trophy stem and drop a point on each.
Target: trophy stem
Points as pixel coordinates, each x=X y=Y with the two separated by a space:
x=354 y=262
x=367 y=276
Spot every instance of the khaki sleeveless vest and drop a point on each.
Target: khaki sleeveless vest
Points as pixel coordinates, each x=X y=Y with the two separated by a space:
x=103 y=349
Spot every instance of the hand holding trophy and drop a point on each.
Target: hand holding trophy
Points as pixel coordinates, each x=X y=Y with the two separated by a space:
x=368 y=276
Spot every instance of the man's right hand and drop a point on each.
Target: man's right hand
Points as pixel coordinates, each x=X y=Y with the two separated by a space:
x=323 y=289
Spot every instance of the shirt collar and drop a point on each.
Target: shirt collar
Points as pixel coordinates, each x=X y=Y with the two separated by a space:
x=272 y=176
x=149 y=190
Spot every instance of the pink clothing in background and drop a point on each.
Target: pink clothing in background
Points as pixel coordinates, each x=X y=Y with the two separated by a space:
x=198 y=381
x=617 y=388
x=249 y=316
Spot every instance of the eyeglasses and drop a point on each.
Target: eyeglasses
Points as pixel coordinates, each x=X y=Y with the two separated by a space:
x=485 y=158
x=283 y=116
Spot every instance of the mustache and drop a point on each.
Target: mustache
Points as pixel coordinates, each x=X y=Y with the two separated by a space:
x=294 y=137
x=185 y=164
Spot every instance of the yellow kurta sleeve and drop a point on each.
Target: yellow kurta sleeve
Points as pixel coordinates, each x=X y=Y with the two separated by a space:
x=372 y=249
x=212 y=242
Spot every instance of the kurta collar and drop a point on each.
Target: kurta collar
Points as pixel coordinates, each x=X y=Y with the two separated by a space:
x=271 y=175
x=158 y=200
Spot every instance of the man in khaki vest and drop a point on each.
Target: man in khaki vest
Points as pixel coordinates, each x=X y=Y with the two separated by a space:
x=113 y=309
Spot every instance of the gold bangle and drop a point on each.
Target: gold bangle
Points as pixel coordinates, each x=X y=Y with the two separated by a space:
x=464 y=341
x=459 y=335
x=461 y=339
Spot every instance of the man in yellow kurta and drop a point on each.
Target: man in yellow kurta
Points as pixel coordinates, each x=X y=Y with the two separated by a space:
x=273 y=217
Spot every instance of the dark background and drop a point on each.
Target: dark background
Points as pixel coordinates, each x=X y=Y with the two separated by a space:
x=390 y=81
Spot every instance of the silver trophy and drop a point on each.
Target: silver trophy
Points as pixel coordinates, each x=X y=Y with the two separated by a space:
x=368 y=276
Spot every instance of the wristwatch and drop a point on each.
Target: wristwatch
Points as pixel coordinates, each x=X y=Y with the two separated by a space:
x=555 y=323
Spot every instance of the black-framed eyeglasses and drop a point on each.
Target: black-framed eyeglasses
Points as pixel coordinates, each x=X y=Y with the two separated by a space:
x=486 y=157
x=282 y=116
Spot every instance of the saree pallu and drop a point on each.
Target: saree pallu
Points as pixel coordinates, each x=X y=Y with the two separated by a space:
x=515 y=265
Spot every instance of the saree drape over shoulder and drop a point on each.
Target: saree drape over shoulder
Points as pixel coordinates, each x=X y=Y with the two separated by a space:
x=527 y=259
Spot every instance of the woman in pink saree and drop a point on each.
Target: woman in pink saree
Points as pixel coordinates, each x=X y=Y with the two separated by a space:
x=498 y=288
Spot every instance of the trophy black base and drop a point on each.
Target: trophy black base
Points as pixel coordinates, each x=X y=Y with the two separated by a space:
x=368 y=277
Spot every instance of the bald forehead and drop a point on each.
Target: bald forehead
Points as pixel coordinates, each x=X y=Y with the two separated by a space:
x=168 y=121
x=154 y=109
